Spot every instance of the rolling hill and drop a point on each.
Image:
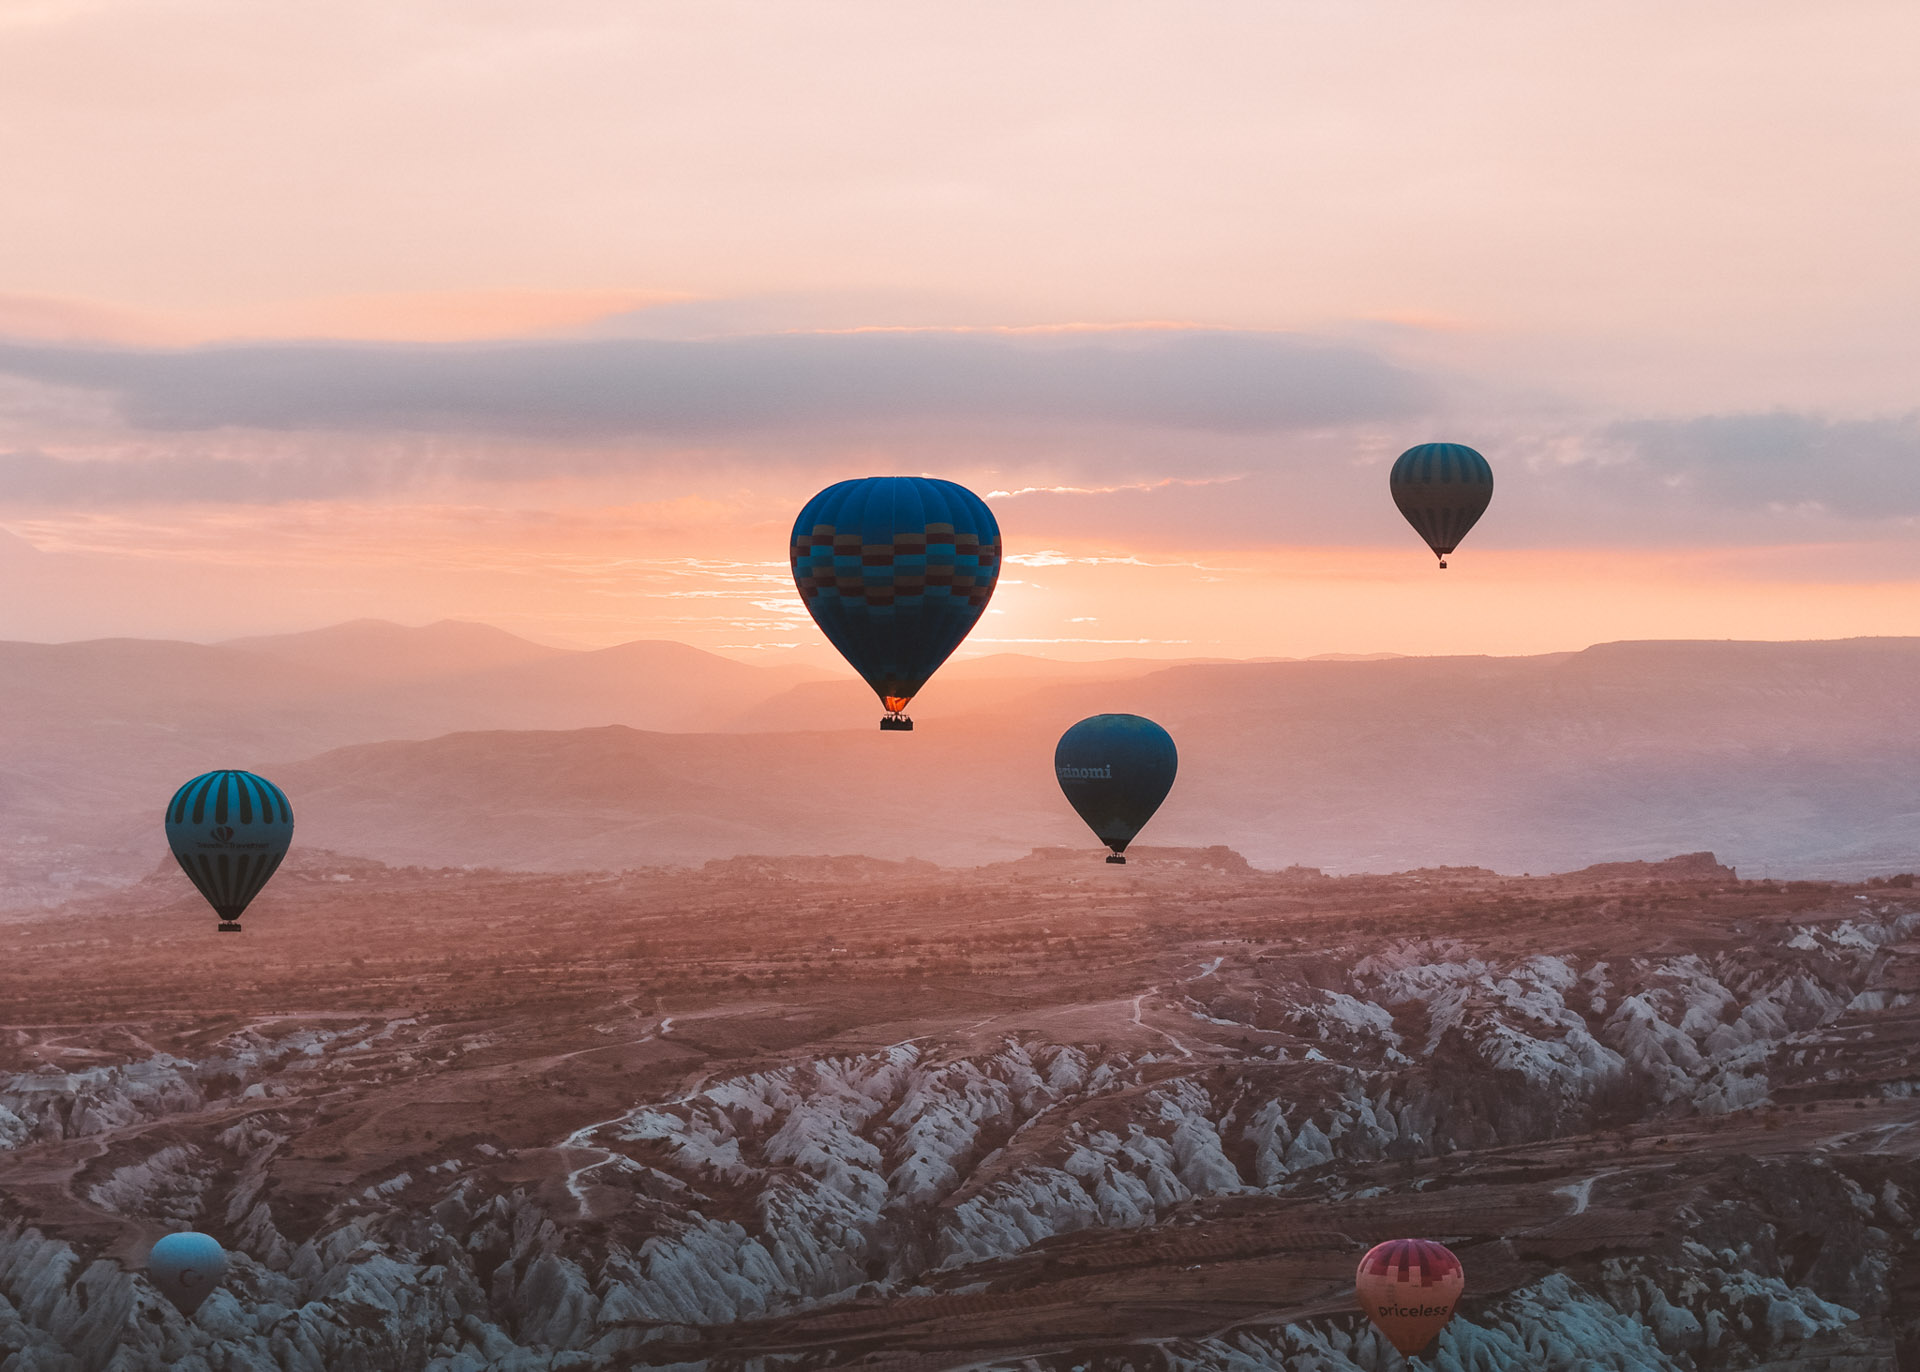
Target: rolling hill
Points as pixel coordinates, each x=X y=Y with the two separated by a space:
x=1793 y=758
x=97 y=734
x=462 y=745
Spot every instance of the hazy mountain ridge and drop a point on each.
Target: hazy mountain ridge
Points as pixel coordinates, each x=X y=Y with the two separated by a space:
x=465 y=745
x=1789 y=758
x=98 y=734
x=381 y=650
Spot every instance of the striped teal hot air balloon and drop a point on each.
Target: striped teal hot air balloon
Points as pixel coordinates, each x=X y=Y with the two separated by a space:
x=228 y=831
x=1442 y=488
x=896 y=570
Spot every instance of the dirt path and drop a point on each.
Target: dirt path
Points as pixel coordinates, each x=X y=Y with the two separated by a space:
x=1138 y=1000
x=580 y=1140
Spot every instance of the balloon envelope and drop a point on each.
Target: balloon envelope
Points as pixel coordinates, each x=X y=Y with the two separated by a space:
x=1442 y=488
x=228 y=831
x=896 y=570
x=1408 y=1288
x=185 y=1268
x=1115 y=770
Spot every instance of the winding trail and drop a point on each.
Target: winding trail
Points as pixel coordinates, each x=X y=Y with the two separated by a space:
x=580 y=1140
x=1185 y=1051
x=1207 y=969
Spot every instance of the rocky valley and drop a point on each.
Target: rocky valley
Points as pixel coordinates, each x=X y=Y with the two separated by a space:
x=810 y=1113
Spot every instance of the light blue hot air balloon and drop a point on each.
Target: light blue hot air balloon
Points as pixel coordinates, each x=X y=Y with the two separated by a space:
x=896 y=570
x=1442 y=489
x=228 y=831
x=186 y=1267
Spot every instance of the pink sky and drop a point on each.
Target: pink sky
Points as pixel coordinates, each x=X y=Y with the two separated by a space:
x=605 y=291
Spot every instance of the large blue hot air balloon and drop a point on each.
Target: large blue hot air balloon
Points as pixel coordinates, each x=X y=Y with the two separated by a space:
x=228 y=831
x=1115 y=770
x=186 y=1267
x=1442 y=488
x=895 y=570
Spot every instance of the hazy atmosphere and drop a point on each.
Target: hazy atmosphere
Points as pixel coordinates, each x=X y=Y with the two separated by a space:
x=550 y=321
x=1382 y=540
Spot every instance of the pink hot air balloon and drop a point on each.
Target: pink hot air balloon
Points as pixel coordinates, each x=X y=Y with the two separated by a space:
x=1408 y=1287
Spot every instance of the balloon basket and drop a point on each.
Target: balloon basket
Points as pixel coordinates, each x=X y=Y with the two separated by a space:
x=1116 y=857
x=229 y=926
x=896 y=724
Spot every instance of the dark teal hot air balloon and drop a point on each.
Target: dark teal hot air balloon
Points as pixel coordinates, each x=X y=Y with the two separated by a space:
x=895 y=570
x=1442 y=488
x=229 y=830
x=186 y=1267
x=1115 y=770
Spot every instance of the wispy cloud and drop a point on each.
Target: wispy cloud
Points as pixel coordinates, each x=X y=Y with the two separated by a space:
x=1160 y=485
x=1856 y=469
x=1054 y=557
x=41 y=478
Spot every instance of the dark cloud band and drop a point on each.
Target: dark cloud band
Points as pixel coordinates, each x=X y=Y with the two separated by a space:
x=1115 y=406
x=1201 y=380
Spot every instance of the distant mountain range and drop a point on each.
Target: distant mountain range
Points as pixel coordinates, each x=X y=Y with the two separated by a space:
x=461 y=744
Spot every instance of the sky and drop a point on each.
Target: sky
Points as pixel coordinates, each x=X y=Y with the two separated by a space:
x=553 y=316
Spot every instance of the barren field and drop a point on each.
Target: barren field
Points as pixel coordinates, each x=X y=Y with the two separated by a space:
x=1049 y=1113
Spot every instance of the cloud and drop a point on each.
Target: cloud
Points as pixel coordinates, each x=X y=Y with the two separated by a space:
x=1108 y=440
x=1053 y=557
x=1163 y=484
x=1199 y=380
x=1854 y=469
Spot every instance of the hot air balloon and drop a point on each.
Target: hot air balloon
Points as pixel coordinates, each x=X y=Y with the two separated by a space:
x=1115 y=770
x=228 y=831
x=1407 y=1288
x=895 y=570
x=186 y=1267
x=1442 y=488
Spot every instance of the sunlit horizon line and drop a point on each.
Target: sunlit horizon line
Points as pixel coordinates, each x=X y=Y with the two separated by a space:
x=671 y=628
x=1085 y=640
x=1065 y=326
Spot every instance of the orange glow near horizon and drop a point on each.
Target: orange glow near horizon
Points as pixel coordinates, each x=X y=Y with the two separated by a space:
x=687 y=571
